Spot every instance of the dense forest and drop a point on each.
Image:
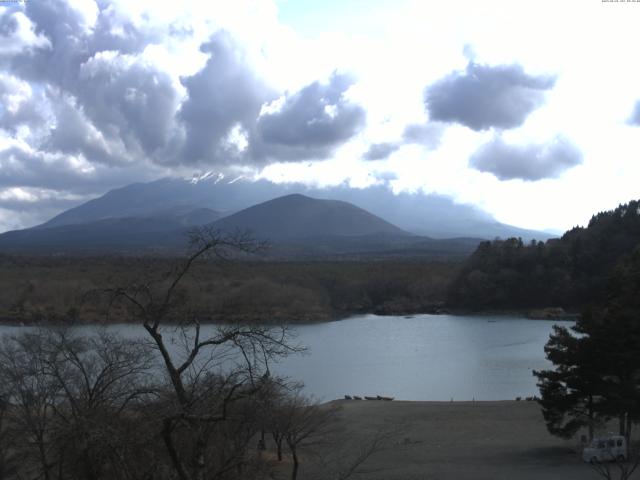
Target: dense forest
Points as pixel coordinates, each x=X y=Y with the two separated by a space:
x=571 y=272
x=61 y=289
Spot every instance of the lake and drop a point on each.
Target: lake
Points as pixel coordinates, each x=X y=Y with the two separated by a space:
x=421 y=357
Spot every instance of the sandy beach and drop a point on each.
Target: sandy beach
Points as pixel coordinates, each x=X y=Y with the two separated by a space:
x=458 y=441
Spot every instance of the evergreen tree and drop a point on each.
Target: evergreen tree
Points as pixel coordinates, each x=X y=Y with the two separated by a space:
x=570 y=394
x=597 y=364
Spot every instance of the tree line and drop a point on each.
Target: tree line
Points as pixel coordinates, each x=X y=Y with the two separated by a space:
x=570 y=272
x=40 y=289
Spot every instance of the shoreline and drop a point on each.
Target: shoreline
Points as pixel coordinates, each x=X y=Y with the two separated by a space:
x=566 y=316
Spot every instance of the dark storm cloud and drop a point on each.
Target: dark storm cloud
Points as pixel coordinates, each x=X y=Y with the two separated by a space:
x=486 y=96
x=526 y=162
x=312 y=122
x=634 y=119
x=225 y=93
x=380 y=151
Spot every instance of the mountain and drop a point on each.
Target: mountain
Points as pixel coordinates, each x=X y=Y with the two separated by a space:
x=298 y=217
x=297 y=227
x=434 y=216
x=184 y=215
x=108 y=235
x=163 y=228
x=164 y=196
x=300 y=227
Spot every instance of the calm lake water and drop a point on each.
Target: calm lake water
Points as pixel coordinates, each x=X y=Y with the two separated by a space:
x=422 y=357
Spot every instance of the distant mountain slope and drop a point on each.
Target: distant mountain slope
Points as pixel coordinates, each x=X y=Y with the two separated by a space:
x=187 y=215
x=140 y=200
x=297 y=227
x=293 y=218
x=110 y=235
x=298 y=217
x=157 y=229
x=431 y=215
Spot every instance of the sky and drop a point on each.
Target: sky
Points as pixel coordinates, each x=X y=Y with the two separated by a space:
x=527 y=109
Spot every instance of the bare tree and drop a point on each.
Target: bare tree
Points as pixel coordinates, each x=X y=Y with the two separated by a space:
x=350 y=460
x=212 y=373
x=299 y=422
x=8 y=458
x=618 y=469
x=311 y=431
x=68 y=397
x=31 y=396
x=352 y=457
x=99 y=377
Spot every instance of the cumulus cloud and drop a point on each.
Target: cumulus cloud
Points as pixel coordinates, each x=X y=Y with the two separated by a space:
x=380 y=151
x=427 y=135
x=128 y=99
x=526 y=162
x=74 y=133
x=310 y=123
x=634 y=119
x=23 y=167
x=224 y=95
x=87 y=70
x=484 y=96
x=32 y=204
x=89 y=82
x=22 y=106
x=17 y=33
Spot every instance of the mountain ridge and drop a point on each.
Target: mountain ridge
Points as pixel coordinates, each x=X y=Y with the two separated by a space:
x=297 y=227
x=430 y=215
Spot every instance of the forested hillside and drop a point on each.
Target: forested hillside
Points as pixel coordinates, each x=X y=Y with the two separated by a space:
x=570 y=272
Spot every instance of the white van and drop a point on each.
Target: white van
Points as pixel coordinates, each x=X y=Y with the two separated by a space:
x=612 y=448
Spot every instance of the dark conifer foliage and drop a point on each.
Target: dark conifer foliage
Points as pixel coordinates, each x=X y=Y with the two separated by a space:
x=569 y=272
x=596 y=375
